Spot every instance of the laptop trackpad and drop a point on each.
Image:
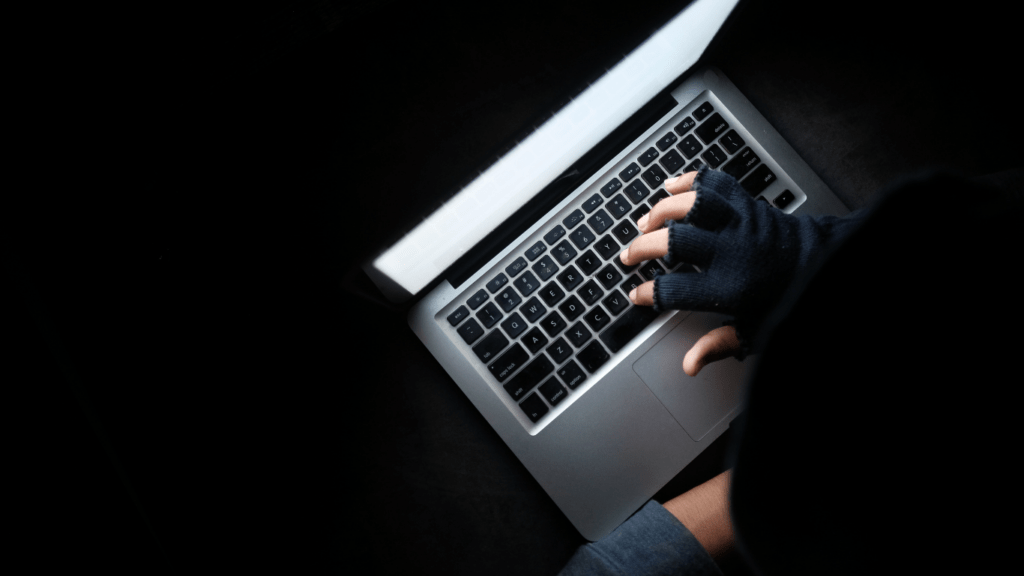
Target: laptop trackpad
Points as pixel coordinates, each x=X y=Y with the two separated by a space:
x=697 y=403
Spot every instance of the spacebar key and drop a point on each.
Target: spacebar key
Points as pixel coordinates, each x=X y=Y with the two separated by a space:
x=627 y=327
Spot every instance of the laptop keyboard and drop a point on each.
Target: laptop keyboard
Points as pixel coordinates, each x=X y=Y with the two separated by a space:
x=553 y=316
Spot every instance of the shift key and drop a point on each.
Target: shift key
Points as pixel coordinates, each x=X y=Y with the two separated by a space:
x=529 y=377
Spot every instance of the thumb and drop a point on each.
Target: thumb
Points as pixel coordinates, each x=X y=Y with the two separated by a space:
x=716 y=345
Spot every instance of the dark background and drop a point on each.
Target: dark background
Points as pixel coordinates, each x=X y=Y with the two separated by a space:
x=198 y=380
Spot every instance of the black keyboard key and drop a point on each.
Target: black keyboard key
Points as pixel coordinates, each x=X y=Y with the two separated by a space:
x=694 y=166
x=631 y=283
x=607 y=247
x=783 y=200
x=573 y=219
x=578 y=334
x=666 y=141
x=527 y=284
x=572 y=375
x=690 y=147
x=553 y=391
x=654 y=176
x=714 y=156
x=553 y=324
x=609 y=277
x=496 y=284
x=564 y=252
x=552 y=294
x=593 y=356
x=657 y=197
x=624 y=231
x=672 y=161
x=650 y=270
x=600 y=221
x=618 y=206
x=508 y=299
x=639 y=212
x=702 y=111
x=534 y=407
x=592 y=204
x=470 y=331
x=630 y=171
x=731 y=142
x=459 y=315
x=477 y=299
x=533 y=309
x=570 y=278
x=610 y=188
x=713 y=128
x=545 y=267
x=637 y=192
x=590 y=292
x=560 y=350
x=615 y=302
x=536 y=250
x=554 y=235
x=648 y=156
x=489 y=347
x=514 y=325
x=572 y=308
x=489 y=314
x=509 y=362
x=582 y=237
x=516 y=267
x=685 y=126
x=759 y=179
x=588 y=262
x=534 y=340
x=596 y=318
x=530 y=376
x=627 y=326
x=741 y=163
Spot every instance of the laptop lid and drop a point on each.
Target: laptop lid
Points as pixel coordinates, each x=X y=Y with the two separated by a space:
x=549 y=155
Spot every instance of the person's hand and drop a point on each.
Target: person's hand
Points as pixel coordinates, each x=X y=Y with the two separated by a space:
x=717 y=344
x=747 y=253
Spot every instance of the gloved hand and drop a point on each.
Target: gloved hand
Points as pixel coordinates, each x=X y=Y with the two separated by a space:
x=747 y=251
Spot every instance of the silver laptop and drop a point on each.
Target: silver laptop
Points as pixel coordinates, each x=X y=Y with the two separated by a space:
x=585 y=388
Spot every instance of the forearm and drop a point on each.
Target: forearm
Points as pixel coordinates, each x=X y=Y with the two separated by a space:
x=704 y=511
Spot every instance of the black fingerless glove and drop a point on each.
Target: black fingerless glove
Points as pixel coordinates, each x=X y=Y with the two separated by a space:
x=747 y=251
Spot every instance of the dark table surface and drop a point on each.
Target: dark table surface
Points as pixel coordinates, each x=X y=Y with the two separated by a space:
x=202 y=377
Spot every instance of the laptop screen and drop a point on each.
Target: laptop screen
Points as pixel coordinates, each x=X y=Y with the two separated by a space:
x=443 y=237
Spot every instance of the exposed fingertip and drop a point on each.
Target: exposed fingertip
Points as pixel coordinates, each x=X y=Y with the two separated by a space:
x=642 y=222
x=623 y=255
x=672 y=180
x=632 y=295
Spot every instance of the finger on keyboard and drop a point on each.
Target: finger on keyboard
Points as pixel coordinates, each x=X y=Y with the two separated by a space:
x=680 y=184
x=646 y=247
x=673 y=208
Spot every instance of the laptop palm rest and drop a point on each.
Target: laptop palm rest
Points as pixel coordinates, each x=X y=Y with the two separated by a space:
x=697 y=403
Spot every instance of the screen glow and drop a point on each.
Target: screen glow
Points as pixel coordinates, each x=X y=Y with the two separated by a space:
x=454 y=228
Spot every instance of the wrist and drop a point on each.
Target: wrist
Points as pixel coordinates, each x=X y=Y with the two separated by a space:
x=704 y=510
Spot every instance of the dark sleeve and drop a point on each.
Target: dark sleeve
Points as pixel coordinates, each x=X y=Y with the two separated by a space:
x=878 y=418
x=652 y=542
